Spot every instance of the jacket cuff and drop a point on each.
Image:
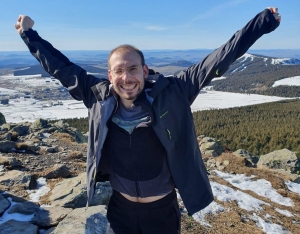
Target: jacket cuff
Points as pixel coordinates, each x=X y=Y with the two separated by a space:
x=270 y=19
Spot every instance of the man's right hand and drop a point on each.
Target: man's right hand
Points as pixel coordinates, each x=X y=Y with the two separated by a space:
x=24 y=23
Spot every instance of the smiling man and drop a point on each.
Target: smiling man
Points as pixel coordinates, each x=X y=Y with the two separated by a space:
x=141 y=130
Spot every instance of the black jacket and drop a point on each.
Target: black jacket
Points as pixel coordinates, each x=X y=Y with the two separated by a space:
x=170 y=99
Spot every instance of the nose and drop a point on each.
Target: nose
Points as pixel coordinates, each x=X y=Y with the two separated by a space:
x=126 y=75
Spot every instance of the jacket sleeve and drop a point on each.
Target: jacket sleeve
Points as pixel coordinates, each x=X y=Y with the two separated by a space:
x=72 y=76
x=216 y=64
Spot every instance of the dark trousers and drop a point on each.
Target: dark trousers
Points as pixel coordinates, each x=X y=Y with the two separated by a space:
x=158 y=217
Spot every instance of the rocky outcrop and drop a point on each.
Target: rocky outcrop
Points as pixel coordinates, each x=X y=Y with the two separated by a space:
x=72 y=193
x=280 y=159
x=31 y=136
x=209 y=146
x=251 y=159
x=90 y=221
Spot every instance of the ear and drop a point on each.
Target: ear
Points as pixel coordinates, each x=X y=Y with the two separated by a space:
x=109 y=76
x=145 y=71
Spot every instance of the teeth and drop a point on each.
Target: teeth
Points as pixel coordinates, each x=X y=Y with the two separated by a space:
x=131 y=86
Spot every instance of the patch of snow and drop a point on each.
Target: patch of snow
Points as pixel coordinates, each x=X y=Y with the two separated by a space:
x=269 y=227
x=285 y=61
x=219 y=78
x=284 y=212
x=246 y=56
x=294 y=187
x=1 y=168
x=261 y=187
x=244 y=200
x=41 y=190
x=291 y=81
x=213 y=208
x=219 y=100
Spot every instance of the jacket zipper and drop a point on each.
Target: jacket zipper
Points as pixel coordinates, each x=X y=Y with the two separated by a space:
x=137 y=186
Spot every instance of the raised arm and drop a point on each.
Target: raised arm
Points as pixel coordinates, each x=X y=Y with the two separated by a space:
x=71 y=76
x=217 y=63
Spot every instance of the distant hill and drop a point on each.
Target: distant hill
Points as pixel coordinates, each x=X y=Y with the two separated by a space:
x=180 y=63
x=256 y=74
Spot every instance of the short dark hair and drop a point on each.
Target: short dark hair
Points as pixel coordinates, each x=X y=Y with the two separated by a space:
x=126 y=48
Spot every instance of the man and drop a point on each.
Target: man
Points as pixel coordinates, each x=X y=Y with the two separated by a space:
x=141 y=127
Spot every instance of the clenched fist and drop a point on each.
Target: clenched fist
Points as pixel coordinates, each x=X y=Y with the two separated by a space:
x=24 y=23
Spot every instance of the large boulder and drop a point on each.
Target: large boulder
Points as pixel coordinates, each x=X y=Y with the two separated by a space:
x=72 y=193
x=21 y=129
x=57 y=171
x=16 y=177
x=7 y=146
x=16 y=227
x=90 y=221
x=280 y=159
x=251 y=159
x=209 y=146
x=39 y=124
x=50 y=216
x=25 y=208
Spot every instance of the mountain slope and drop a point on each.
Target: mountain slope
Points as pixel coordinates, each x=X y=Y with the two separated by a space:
x=257 y=74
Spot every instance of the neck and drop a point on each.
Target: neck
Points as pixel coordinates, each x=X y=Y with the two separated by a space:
x=128 y=104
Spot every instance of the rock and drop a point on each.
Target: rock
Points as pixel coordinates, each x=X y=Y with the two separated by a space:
x=53 y=149
x=211 y=148
x=61 y=124
x=21 y=130
x=7 y=146
x=2 y=119
x=72 y=193
x=39 y=124
x=25 y=208
x=251 y=159
x=57 y=171
x=15 y=177
x=4 y=204
x=50 y=216
x=78 y=136
x=6 y=137
x=280 y=159
x=8 y=126
x=226 y=163
x=90 y=221
x=9 y=161
x=17 y=227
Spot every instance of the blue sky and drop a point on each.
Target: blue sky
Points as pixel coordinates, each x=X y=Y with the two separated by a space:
x=147 y=24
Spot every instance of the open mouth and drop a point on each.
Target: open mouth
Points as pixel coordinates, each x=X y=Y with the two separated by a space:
x=128 y=87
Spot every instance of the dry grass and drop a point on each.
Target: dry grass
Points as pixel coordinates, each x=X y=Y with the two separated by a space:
x=21 y=146
x=237 y=220
x=74 y=155
x=65 y=137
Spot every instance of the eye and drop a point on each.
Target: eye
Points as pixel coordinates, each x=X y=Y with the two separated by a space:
x=133 y=69
x=118 y=71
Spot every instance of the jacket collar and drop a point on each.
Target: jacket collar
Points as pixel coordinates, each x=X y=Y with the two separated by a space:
x=156 y=83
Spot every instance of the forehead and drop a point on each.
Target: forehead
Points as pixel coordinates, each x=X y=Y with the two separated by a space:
x=124 y=58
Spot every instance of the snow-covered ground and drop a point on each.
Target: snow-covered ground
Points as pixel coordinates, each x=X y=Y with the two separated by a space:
x=291 y=81
x=247 y=202
x=23 y=109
